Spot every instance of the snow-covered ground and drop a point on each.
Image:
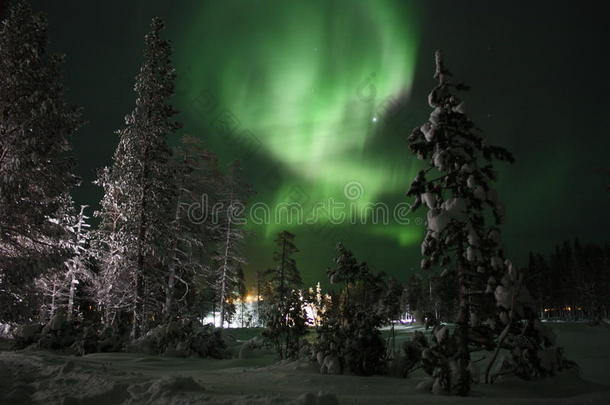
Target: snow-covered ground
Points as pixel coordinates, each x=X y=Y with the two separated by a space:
x=126 y=378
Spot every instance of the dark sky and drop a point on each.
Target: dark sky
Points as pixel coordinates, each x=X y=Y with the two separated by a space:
x=538 y=72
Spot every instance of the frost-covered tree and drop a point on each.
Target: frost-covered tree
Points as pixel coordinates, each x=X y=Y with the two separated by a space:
x=78 y=265
x=135 y=232
x=230 y=234
x=197 y=180
x=109 y=247
x=36 y=169
x=59 y=286
x=460 y=163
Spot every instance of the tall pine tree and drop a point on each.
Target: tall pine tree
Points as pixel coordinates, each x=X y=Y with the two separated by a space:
x=284 y=316
x=138 y=206
x=285 y=275
x=460 y=163
x=495 y=310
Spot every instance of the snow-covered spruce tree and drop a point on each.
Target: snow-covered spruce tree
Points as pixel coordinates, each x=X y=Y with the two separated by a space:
x=36 y=168
x=494 y=308
x=138 y=206
x=284 y=317
x=230 y=234
x=457 y=237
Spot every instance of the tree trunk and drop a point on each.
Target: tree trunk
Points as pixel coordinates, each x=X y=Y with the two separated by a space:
x=463 y=354
x=258 y=298
x=53 y=299
x=505 y=332
x=139 y=271
x=282 y=266
x=462 y=385
x=71 y=296
x=223 y=279
x=169 y=295
x=75 y=263
x=171 y=278
x=393 y=342
x=242 y=312
x=214 y=312
x=137 y=306
x=283 y=293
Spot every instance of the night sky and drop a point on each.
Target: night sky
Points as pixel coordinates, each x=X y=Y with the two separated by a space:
x=315 y=95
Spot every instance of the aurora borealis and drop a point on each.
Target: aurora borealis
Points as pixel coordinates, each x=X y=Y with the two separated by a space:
x=315 y=95
x=299 y=94
x=305 y=87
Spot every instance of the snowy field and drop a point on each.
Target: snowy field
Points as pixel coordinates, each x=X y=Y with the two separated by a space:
x=125 y=378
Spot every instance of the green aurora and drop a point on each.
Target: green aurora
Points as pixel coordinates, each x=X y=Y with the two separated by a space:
x=300 y=90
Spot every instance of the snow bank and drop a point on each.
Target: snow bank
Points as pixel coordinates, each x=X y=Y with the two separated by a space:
x=129 y=379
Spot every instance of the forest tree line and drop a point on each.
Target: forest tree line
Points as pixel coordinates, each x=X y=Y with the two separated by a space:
x=572 y=282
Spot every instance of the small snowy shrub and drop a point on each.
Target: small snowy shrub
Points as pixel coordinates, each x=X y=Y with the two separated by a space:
x=182 y=339
x=349 y=330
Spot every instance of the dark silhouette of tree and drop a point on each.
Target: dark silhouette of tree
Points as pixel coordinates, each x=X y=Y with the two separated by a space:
x=284 y=317
x=573 y=283
x=460 y=162
x=349 y=332
x=492 y=302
